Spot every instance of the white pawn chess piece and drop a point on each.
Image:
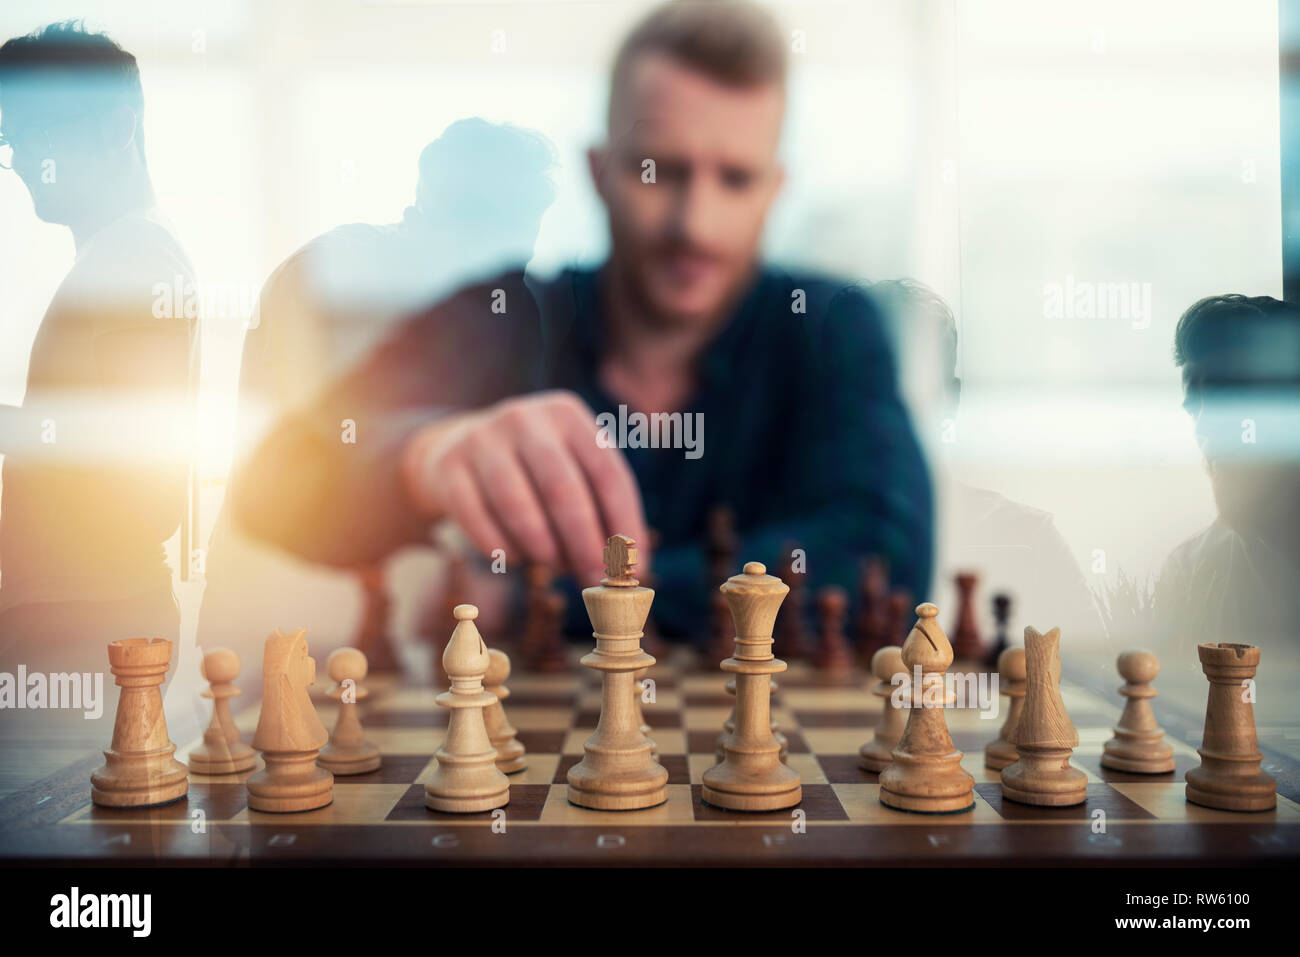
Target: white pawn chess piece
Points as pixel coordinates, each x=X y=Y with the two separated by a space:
x=222 y=750
x=1139 y=744
x=348 y=751
x=510 y=750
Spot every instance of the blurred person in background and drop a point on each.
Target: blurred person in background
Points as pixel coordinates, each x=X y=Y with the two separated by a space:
x=488 y=418
x=95 y=471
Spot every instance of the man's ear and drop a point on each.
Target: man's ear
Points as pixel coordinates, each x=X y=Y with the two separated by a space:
x=121 y=125
x=597 y=161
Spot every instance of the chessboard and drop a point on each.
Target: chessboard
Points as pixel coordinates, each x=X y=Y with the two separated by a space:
x=380 y=817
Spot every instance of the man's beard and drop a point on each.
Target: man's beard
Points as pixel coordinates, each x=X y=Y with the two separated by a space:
x=663 y=315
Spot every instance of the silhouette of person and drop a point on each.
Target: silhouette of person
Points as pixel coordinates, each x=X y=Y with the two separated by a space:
x=1014 y=548
x=1236 y=579
x=482 y=191
x=92 y=486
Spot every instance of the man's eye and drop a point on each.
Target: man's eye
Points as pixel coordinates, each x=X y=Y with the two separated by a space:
x=737 y=178
x=672 y=172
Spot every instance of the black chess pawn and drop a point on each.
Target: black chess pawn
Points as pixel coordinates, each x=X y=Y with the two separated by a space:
x=1001 y=615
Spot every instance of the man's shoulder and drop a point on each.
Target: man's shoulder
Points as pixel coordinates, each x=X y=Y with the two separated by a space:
x=565 y=283
x=345 y=247
x=124 y=276
x=990 y=520
x=135 y=246
x=995 y=508
x=1202 y=550
x=818 y=290
x=827 y=317
x=561 y=297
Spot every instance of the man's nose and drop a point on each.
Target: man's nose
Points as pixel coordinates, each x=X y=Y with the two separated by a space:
x=698 y=213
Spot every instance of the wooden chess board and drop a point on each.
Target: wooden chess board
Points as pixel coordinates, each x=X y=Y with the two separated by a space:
x=381 y=818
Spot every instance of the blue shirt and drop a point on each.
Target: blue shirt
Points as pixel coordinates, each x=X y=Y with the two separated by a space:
x=804 y=436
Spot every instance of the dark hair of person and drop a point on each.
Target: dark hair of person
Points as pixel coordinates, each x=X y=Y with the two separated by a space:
x=1212 y=313
x=733 y=42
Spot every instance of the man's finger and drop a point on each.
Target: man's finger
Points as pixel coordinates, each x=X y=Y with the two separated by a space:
x=566 y=499
x=513 y=502
x=610 y=479
x=466 y=506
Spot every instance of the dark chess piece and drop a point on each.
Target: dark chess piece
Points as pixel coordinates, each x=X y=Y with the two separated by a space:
x=966 y=644
x=543 y=648
x=721 y=545
x=1001 y=615
x=652 y=641
x=373 y=637
x=553 y=655
x=896 y=617
x=872 y=618
x=834 y=657
x=790 y=637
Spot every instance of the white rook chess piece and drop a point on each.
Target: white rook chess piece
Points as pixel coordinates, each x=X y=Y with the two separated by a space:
x=1229 y=776
x=140 y=769
x=750 y=776
x=467 y=779
x=618 y=771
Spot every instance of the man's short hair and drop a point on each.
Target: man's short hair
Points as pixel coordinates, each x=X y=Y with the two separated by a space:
x=910 y=302
x=731 y=41
x=476 y=166
x=67 y=58
x=1203 y=325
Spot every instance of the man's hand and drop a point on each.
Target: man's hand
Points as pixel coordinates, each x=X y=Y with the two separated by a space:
x=527 y=475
